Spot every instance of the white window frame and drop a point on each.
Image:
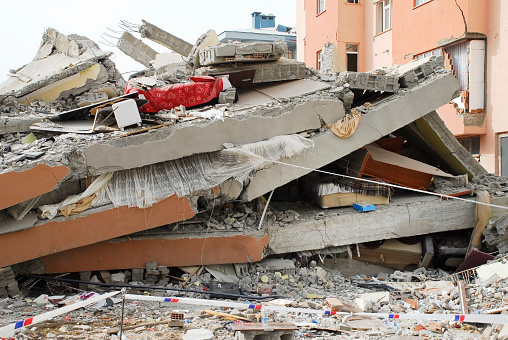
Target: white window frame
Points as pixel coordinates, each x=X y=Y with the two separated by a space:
x=321 y=6
x=384 y=16
x=353 y=2
x=318 y=63
x=421 y=2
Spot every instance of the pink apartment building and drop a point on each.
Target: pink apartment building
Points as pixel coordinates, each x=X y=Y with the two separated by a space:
x=470 y=35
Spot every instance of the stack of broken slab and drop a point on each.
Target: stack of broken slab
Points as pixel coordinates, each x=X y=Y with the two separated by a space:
x=98 y=186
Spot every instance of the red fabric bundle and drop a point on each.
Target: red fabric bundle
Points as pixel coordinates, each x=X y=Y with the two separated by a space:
x=202 y=90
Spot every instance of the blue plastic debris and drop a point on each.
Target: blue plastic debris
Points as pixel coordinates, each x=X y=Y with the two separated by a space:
x=364 y=207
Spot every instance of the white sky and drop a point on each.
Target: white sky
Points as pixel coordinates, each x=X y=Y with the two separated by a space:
x=23 y=22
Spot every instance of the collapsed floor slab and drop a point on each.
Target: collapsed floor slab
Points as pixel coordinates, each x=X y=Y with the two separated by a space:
x=135 y=252
x=59 y=59
x=385 y=117
x=405 y=216
x=94 y=226
x=136 y=151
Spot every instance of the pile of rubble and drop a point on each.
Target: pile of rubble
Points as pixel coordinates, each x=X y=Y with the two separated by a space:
x=281 y=287
x=226 y=153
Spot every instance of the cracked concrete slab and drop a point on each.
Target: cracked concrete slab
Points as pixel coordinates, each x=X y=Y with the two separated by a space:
x=385 y=117
x=173 y=143
x=341 y=227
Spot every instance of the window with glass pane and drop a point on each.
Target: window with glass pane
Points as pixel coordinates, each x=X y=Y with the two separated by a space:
x=384 y=16
x=321 y=6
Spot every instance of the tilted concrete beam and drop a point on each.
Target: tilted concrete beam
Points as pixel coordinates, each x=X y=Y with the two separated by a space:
x=136 y=49
x=446 y=145
x=164 y=38
x=385 y=117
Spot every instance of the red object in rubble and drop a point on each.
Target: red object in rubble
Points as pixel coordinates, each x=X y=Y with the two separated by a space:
x=201 y=90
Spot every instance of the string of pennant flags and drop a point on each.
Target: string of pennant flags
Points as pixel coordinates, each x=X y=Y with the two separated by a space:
x=9 y=330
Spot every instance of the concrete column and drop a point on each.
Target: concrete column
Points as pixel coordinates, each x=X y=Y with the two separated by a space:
x=164 y=38
x=136 y=49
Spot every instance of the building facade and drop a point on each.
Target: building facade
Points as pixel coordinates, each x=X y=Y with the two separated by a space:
x=470 y=35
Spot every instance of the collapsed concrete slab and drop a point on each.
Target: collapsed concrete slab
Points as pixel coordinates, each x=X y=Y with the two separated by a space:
x=136 y=49
x=170 y=250
x=164 y=38
x=442 y=144
x=88 y=228
x=63 y=66
x=411 y=217
x=283 y=69
x=385 y=117
x=172 y=143
x=405 y=216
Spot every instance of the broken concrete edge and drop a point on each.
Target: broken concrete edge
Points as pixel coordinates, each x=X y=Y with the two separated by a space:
x=54 y=78
x=242 y=52
x=26 y=184
x=385 y=117
x=136 y=49
x=210 y=136
x=391 y=221
x=280 y=70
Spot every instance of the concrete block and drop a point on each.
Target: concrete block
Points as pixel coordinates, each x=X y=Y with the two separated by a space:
x=164 y=38
x=331 y=62
x=253 y=48
x=225 y=50
x=17 y=124
x=228 y=96
x=136 y=49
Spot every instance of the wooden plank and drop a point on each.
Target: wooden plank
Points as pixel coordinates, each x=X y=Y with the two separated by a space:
x=226 y=316
x=144 y=129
